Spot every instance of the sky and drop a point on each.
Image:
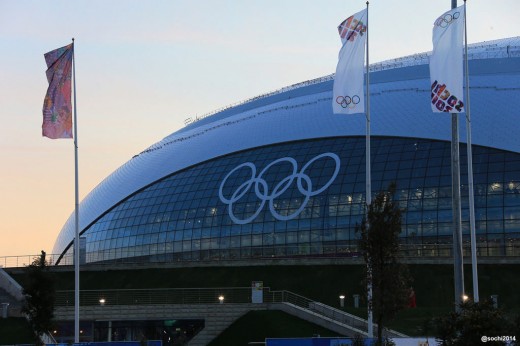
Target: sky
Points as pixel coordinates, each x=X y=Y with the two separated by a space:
x=143 y=67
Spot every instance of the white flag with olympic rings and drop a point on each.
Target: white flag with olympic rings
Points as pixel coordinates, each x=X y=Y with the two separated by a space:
x=348 y=95
x=446 y=62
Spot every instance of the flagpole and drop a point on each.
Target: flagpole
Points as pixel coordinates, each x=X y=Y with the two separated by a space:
x=368 y=197
x=76 y=209
x=458 y=265
x=470 y=170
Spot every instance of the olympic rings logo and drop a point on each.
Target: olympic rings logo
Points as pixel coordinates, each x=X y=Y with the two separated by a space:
x=266 y=195
x=446 y=20
x=347 y=101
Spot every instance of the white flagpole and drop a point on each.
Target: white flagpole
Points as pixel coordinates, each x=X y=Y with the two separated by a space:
x=76 y=210
x=368 y=197
x=458 y=266
x=470 y=170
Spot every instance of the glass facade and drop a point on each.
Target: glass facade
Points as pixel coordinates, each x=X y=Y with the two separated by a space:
x=305 y=198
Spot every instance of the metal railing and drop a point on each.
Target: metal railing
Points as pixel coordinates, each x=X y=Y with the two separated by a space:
x=156 y=296
x=47 y=338
x=25 y=260
x=507 y=249
x=320 y=309
x=206 y=296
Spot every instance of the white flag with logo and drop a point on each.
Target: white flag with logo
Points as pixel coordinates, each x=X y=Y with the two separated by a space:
x=347 y=94
x=446 y=69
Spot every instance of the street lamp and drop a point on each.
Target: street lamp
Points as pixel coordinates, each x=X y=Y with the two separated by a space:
x=342 y=300
x=102 y=301
x=221 y=299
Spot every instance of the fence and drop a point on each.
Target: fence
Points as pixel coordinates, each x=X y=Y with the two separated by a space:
x=509 y=248
x=206 y=296
x=156 y=296
x=320 y=309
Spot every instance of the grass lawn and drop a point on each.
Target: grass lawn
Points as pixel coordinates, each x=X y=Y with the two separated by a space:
x=412 y=322
x=258 y=325
x=433 y=284
x=409 y=321
x=15 y=330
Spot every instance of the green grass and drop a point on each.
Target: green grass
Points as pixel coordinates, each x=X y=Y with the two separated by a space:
x=433 y=284
x=15 y=330
x=408 y=321
x=412 y=322
x=258 y=325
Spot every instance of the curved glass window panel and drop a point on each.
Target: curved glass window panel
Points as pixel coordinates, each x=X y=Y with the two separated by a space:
x=292 y=198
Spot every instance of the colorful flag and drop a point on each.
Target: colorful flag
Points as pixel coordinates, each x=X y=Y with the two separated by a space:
x=446 y=63
x=57 y=106
x=347 y=93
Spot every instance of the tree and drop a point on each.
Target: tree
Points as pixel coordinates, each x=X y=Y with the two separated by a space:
x=379 y=243
x=39 y=294
x=472 y=322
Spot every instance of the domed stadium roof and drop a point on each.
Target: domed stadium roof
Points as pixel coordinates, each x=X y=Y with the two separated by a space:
x=400 y=107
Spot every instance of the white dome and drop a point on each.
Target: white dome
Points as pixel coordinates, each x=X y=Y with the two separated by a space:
x=400 y=107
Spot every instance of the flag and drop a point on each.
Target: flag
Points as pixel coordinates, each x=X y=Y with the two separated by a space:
x=57 y=106
x=347 y=93
x=446 y=63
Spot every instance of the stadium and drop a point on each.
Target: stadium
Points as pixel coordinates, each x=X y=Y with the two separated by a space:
x=281 y=176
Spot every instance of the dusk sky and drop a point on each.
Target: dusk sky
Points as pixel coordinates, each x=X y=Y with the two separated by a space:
x=143 y=67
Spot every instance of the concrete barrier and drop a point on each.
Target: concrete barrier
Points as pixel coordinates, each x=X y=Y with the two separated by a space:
x=11 y=286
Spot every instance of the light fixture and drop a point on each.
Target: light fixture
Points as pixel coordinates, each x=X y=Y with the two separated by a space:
x=495 y=186
x=221 y=299
x=102 y=301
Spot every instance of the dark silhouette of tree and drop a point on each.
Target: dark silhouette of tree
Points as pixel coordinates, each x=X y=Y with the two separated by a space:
x=379 y=243
x=473 y=322
x=39 y=294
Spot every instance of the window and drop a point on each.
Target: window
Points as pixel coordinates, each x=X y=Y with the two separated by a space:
x=185 y=208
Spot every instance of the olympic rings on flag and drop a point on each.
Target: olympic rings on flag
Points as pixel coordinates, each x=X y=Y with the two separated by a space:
x=262 y=191
x=347 y=101
x=446 y=20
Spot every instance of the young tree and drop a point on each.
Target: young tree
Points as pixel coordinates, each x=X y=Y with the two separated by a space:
x=472 y=323
x=379 y=243
x=39 y=297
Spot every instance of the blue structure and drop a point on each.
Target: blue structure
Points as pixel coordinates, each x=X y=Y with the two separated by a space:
x=313 y=341
x=280 y=175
